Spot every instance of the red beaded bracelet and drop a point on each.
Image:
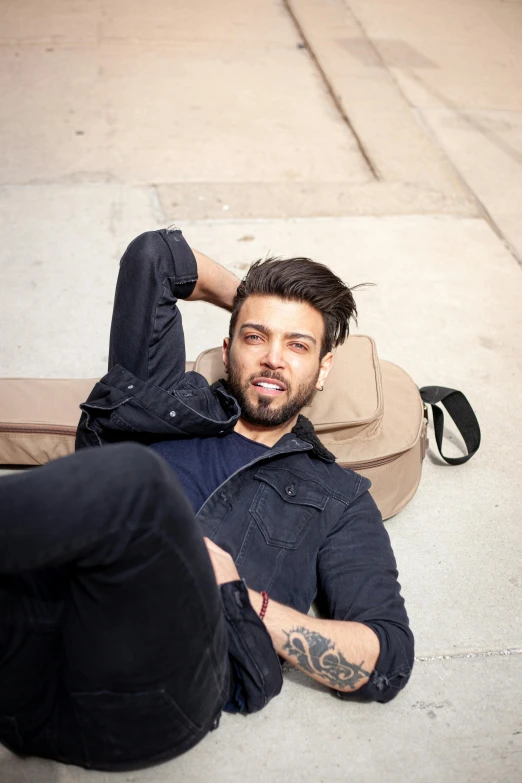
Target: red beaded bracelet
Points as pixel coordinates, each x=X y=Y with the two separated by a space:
x=265 y=604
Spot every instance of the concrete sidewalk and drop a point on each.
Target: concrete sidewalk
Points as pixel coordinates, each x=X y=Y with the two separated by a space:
x=389 y=148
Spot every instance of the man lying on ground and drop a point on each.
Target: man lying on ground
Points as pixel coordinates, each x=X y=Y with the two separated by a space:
x=109 y=589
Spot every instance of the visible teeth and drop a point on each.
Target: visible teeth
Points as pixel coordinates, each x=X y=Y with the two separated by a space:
x=269 y=385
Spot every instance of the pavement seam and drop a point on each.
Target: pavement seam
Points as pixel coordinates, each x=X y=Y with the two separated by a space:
x=326 y=218
x=482 y=210
x=479 y=654
x=474 y=125
x=338 y=105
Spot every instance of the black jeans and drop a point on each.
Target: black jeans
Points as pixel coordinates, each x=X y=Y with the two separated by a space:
x=113 y=643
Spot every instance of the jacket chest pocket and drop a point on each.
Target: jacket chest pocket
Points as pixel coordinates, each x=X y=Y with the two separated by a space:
x=285 y=505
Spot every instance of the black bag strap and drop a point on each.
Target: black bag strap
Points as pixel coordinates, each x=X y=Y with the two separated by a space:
x=462 y=414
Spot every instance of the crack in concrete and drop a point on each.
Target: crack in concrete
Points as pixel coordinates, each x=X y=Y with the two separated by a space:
x=478 y=654
x=474 y=124
x=338 y=105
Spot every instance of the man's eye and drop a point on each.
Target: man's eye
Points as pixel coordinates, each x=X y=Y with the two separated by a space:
x=300 y=346
x=253 y=337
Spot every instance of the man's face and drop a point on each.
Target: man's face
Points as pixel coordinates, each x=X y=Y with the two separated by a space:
x=274 y=360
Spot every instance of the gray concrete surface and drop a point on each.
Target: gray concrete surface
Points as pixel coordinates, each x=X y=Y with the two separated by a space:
x=457 y=65
x=117 y=92
x=443 y=731
x=211 y=116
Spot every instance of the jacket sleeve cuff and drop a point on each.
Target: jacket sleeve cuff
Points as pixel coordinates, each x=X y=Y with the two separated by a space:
x=184 y=261
x=393 y=668
x=255 y=664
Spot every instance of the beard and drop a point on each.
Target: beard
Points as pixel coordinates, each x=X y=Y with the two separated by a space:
x=262 y=413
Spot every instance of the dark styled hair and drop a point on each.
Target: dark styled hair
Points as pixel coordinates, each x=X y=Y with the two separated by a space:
x=301 y=280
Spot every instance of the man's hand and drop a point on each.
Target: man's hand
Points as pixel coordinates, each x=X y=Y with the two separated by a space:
x=224 y=567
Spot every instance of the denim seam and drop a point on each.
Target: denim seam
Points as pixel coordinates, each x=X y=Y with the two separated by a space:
x=202 y=416
x=161 y=534
x=156 y=415
x=246 y=540
x=280 y=559
x=210 y=634
x=154 y=320
x=163 y=692
x=104 y=407
x=278 y=542
x=124 y=426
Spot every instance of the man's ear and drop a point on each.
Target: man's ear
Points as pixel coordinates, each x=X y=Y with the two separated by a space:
x=324 y=369
x=226 y=351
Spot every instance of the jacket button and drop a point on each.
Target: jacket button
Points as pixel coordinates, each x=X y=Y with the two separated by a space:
x=291 y=491
x=172 y=414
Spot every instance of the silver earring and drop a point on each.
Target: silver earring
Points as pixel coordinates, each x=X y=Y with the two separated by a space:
x=321 y=389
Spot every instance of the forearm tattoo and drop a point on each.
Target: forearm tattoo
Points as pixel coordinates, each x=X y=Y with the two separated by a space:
x=316 y=654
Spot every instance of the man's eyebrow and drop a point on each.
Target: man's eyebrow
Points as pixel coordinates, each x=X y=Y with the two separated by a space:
x=288 y=336
x=257 y=327
x=300 y=336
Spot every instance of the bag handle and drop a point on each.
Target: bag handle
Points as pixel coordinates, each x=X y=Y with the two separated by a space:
x=462 y=414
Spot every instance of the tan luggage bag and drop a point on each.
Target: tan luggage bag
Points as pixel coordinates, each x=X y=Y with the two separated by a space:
x=370 y=415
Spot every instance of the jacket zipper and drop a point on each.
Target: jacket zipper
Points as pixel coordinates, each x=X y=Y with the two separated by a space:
x=37 y=429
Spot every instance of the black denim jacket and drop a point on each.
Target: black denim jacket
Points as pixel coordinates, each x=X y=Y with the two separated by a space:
x=297 y=524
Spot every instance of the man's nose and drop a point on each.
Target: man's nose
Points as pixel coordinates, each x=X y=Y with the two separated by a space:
x=273 y=357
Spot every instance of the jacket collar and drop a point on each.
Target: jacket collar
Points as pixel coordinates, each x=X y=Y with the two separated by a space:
x=303 y=428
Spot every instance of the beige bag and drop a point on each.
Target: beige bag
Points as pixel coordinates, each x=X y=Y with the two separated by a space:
x=370 y=415
x=38 y=418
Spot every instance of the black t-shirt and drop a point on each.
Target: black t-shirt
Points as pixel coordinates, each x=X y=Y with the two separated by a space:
x=203 y=464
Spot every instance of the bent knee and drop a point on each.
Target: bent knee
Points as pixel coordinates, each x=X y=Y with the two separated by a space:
x=122 y=465
x=144 y=247
x=134 y=460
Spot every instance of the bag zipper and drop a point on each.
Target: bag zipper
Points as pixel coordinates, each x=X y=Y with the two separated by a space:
x=372 y=463
x=37 y=429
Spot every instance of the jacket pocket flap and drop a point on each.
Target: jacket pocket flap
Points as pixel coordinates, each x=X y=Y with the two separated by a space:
x=293 y=488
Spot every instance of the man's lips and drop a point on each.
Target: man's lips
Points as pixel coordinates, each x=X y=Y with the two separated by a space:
x=268 y=386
